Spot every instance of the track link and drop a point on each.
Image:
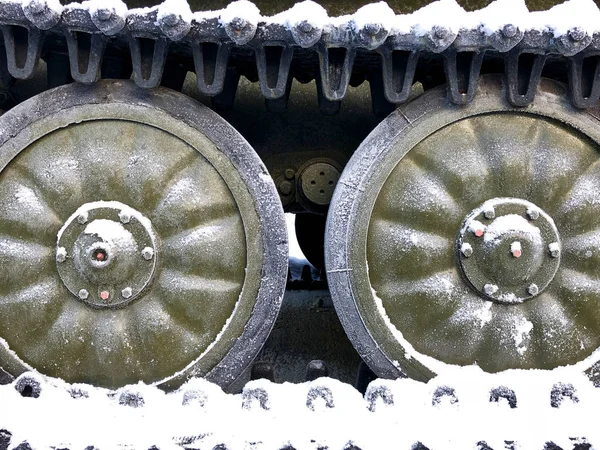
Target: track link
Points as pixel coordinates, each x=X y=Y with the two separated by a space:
x=373 y=44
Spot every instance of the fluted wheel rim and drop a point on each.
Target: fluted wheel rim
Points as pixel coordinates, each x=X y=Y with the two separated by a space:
x=135 y=227
x=410 y=298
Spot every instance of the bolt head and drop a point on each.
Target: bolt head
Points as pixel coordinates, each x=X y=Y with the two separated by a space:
x=305 y=27
x=170 y=19
x=238 y=24
x=148 y=253
x=372 y=28
x=127 y=292
x=37 y=6
x=533 y=289
x=490 y=289
x=466 y=250
x=577 y=34
x=83 y=294
x=515 y=249
x=509 y=31
x=533 y=214
x=286 y=187
x=554 y=249
x=440 y=32
x=61 y=254
x=104 y=14
x=124 y=217
x=82 y=218
x=489 y=213
x=289 y=174
x=104 y=295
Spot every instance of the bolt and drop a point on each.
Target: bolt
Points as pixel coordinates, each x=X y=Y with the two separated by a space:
x=289 y=174
x=490 y=289
x=489 y=213
x=372 y=28
x=577 y=34
x=286 y=187
x=37 y=6
x=478 y=232
x=148 y=253
x=170 y=19
x=533 y=214
x=305 y=27
x=127 y=292
x=515 y=249
x=509 y=31
x=466 y=250
x=104 y=295
x=104 y=14
x=83 y=294
x=125 y=217
x=440 y=32
x=238 y=24
x=61 y=254
x=533 y=289
x=82 y=218
x=554 y=249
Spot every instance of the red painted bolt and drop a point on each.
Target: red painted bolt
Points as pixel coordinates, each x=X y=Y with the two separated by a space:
x=104 y=295
x=478 y=232
x=515 y=249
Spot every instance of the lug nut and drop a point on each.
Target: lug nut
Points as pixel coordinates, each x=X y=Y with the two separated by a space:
x=61 y=254
x=515 y=249
x=104 y=295
x=148 y=253
x=124 y=217
x=306 y=27
x=554 y=249
x=83 y=294
x=489 y=213
x=82 y=218
x=127 y=292
x=533 y=289
x=171 y=19
x=533 y=214
x=490 y=289
x=466 y=250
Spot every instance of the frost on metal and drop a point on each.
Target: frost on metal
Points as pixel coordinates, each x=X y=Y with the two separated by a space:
x=456 y=411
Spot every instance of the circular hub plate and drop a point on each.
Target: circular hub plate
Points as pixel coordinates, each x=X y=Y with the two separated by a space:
x=509 y=250
x=105 y=254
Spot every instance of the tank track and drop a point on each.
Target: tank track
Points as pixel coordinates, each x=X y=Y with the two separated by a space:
x=319 y=414
x=100 y=39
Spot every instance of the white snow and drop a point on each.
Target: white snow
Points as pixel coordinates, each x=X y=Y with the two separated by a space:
x=179 y=8
x=308 y=11
x=561 y=18
x=521 y=334
x=325 y=412
x=374 y=13
x=240 y=9
x=504 y=225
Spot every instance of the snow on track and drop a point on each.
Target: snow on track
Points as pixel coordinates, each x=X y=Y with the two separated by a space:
x=528 y=408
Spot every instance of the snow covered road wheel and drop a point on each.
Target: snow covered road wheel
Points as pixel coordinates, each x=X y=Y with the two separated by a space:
x=141 y=239
x=463 y=235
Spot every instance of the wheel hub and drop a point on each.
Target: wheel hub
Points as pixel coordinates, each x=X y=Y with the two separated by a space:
x=105 y=254
x=509 y=250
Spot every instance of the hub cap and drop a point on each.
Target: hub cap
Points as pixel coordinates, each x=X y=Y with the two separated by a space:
x=509 y=250
x=105 y=254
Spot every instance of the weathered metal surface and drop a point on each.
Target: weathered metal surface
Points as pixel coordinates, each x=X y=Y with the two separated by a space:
x=161 y=263
x=392 y=259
